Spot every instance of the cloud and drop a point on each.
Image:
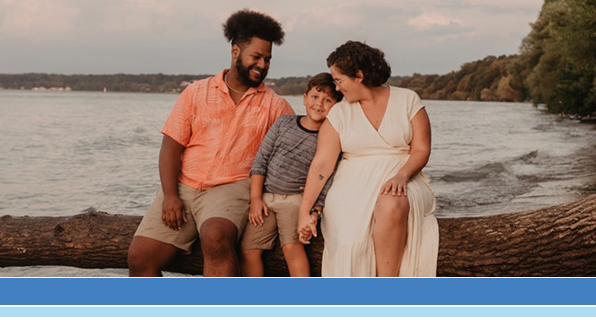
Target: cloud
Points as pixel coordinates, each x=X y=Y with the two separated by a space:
x=506 y=4
x=37 y=20
x=139 y=15
x=448 y=32
x=290 y=25
x=185 y=36
x=336 y=16
x=428 y=20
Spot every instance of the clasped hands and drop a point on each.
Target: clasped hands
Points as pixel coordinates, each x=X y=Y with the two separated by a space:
x=307 y=226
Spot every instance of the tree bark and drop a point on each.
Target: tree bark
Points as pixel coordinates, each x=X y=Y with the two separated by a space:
x=558 y=241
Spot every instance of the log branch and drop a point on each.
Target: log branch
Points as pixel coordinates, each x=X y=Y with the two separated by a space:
x=558 y=241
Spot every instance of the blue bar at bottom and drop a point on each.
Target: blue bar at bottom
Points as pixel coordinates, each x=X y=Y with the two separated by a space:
x=293 y=291
x=292 y=312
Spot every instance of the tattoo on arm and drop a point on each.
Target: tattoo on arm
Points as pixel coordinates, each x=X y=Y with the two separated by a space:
x=321 y=177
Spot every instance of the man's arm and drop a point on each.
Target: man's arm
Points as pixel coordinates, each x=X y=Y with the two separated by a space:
x=170 y=164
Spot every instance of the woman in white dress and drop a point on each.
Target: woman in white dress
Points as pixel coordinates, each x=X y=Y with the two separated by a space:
x=378 y=218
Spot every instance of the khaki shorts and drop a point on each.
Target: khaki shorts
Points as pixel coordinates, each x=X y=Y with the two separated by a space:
x=230 y=201
x=282 y=219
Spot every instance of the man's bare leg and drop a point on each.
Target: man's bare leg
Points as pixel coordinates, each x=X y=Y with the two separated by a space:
x=218 y=240
x=147 y=257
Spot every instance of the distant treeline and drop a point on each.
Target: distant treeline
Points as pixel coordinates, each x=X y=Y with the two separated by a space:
x=485 y=79
x=482 y=80
x=556 y=67
x=109 y=82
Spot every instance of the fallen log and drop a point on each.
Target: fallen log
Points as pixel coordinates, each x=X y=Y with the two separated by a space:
x=558 y=241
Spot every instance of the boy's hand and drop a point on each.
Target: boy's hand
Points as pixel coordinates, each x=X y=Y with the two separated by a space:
x=257 y=208
x=304 y=235
x=173 y=214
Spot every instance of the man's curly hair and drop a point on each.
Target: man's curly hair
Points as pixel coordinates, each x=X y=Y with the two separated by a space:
x=245 y=24
x=354 y=55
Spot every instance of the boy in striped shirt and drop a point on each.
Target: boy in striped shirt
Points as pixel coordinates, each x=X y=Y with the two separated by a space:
x=277 y=176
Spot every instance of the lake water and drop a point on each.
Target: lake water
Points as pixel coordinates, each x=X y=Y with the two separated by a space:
x=63 y=153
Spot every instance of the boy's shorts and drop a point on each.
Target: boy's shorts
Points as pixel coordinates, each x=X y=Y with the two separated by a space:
x=282 y=219
x=230 y=201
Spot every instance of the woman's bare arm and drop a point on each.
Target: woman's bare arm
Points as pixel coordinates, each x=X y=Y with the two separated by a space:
x=321 y=168
x=419 y=155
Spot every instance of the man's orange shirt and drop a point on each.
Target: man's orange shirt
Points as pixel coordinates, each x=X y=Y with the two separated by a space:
x=221 y=138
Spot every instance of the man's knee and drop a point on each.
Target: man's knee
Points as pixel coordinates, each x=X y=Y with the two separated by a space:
x=146 y=257
x=218 y=237
x=135 y=250
x=137 y=258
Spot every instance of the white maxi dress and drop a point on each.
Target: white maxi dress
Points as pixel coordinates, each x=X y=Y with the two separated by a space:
x=369 y=159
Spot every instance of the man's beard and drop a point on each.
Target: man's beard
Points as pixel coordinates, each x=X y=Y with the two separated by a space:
x=244 y=74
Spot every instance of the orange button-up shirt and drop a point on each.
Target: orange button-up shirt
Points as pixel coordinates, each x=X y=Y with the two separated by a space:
x=221 y=138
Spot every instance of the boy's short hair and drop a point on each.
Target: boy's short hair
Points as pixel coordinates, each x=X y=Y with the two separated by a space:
x=245 y=24
x=324 y=82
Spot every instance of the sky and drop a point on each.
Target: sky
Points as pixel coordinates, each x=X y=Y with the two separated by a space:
x=186 y=37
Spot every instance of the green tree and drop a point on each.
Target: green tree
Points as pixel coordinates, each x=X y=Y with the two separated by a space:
x=558 y=62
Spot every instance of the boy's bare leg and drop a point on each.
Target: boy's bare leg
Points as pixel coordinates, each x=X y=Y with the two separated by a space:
x=252 y=263
x=297 y=260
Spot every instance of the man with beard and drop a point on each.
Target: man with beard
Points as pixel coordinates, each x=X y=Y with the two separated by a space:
x=210 y=139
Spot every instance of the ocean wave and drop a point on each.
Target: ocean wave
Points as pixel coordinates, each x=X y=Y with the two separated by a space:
x=477 y=174
x=490 y=183
x=114 y=143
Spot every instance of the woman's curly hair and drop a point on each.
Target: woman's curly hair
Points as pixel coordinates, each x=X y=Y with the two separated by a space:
x=353 y=56
x=245 y=24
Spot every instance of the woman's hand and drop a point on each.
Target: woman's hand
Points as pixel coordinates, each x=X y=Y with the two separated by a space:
x=257 y=209
x=307 y=226
x=397 y=186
